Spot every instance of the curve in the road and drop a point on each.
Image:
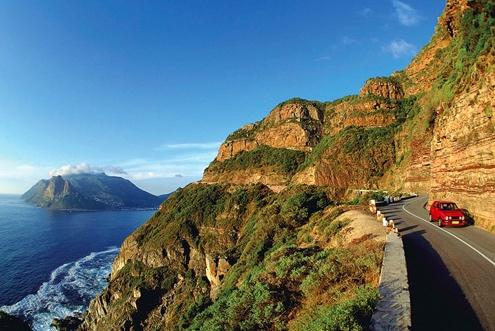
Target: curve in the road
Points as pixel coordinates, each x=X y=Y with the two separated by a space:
x=452 y=285
x=451 y=234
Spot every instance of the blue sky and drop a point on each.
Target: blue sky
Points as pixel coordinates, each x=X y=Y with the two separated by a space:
x=148 y=89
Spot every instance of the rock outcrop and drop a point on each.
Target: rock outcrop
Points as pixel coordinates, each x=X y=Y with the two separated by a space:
x=385 y=87
x=295 y=124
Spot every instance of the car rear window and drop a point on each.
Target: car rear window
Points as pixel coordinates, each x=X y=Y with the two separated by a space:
x=448 y=206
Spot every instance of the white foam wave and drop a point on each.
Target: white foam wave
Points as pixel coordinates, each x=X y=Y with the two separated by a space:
x=70 y=289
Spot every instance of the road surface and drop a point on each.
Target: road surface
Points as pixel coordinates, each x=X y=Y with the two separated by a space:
x=451 y=271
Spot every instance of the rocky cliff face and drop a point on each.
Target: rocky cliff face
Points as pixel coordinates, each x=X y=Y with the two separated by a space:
x=456 y=70
x=253 y=248
x=427 y=129
x=463 y=151
x=295 y=124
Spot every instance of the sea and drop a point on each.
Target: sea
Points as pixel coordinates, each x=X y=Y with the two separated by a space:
x=53 y=263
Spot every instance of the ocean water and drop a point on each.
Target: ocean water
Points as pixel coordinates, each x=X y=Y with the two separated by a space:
x=52 y=263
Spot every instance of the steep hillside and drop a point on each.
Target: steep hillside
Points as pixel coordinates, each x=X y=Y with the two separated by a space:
x=453 y=141
x=89 y=192
x=265 y=240
x=219 y=257
x=318 y=143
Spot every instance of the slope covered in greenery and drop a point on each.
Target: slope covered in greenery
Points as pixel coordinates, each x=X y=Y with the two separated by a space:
x=275 y=258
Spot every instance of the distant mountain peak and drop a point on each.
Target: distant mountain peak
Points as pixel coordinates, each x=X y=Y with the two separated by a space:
x=89 y=191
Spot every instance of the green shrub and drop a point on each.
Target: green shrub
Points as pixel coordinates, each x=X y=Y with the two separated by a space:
x=317 y=152
x=298 y=100
x=353 y=314
x=285 y=160
x=300 y=206
x=335 y=226
x=476 y=37
x=244 y=133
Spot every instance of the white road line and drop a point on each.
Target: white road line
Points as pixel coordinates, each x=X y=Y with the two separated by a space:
x=451 y=234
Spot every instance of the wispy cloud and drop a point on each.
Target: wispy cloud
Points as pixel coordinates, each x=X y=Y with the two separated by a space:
x=344 y=42
x=208 y=145
x=17 y=176
x=187 y=165
x=84 y=168
x=406 y=14
x=13 y=169
x=160 y=175
x=400 y=48
x=365 y=12
x=323 y=58
x=347 y=41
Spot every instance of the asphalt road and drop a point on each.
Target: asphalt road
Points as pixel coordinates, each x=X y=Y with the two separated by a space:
x=451 y=271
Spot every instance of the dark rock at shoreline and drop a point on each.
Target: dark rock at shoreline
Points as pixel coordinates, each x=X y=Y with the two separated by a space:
x=69 y=323
x=9 y=323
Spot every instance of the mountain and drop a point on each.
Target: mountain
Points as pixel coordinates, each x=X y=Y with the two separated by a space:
x=427 y=129
x=267 y=240
x=90 y=192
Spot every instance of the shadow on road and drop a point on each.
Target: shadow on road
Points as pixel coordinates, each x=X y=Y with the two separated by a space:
x=469 y=216
x=407 y=228
x=437 y=301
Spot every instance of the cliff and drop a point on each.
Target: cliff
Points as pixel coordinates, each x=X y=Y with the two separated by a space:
x=243 y=257
x=89 y=192
x=428 y=129
x=456 y=73
x=264 y=241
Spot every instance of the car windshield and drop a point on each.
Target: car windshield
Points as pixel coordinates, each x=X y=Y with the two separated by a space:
x=448 y=206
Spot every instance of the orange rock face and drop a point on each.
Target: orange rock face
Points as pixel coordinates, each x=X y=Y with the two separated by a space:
x=287 y=135
x=385 y=88
x=232 y=148
x=265 y=175
x=295 y=125
x=293 y=111
x=450 y=17
x=361 y=112
x=463 y=152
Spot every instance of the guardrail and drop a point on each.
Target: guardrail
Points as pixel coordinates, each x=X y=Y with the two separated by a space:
x=393 y=311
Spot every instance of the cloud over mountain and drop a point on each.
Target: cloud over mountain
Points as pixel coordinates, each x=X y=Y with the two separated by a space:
x=84 y=168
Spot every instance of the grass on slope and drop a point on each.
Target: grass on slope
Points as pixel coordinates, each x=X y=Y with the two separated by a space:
x=283 y=277
x=285 y=160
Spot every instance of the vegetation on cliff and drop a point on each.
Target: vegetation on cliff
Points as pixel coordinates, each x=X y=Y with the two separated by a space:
x=285 y=160
x=460 y=61
x=280 y=271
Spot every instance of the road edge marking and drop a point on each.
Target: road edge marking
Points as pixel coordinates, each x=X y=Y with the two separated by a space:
x=451 y=234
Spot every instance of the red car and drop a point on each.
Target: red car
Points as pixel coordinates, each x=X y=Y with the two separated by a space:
x=446 y=213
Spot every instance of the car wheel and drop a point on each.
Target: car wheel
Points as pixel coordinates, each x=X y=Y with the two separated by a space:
x=440 y=222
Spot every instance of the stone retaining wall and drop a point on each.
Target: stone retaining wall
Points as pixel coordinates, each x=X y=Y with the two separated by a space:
x=393 y=311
